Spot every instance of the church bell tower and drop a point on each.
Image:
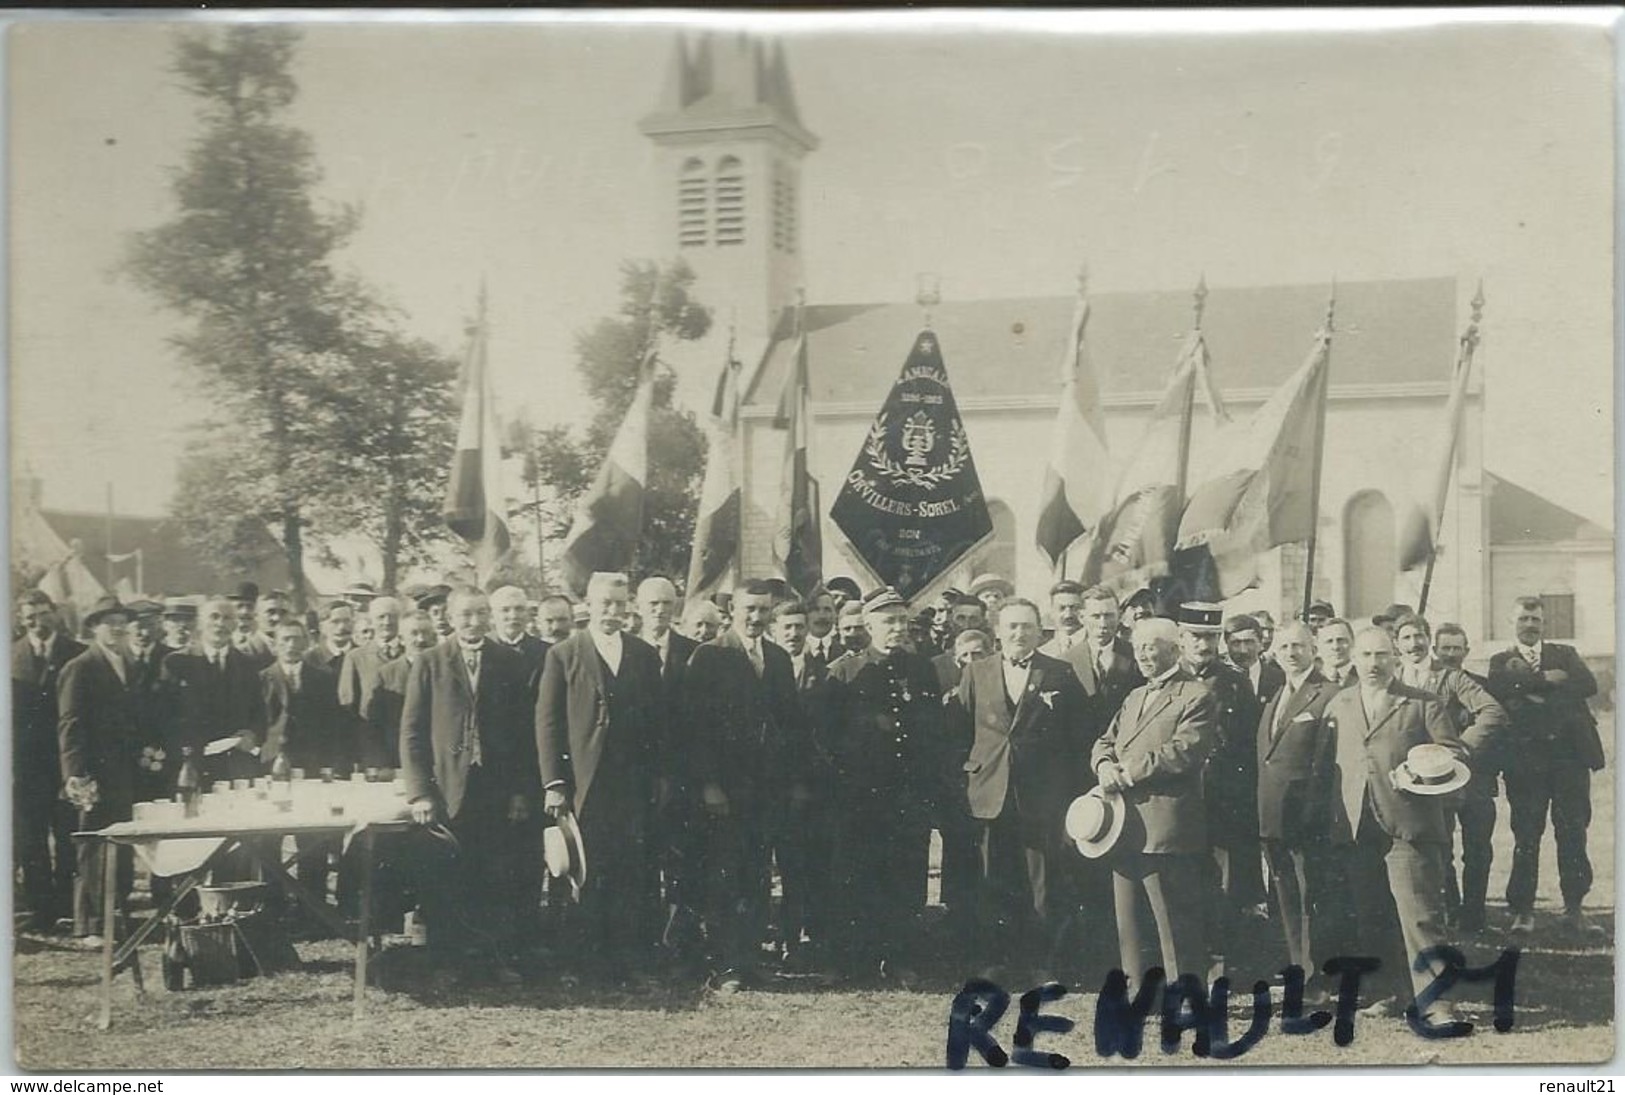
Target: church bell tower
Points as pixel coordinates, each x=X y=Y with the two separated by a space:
x=731 y=146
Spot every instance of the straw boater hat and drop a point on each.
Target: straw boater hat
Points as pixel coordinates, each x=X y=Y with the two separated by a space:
x=564 y=853
x=1094 y=821
x=1430 y=770
x=987 y=582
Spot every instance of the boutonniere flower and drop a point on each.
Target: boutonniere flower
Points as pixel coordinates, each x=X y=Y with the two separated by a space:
x=1049 y=698
x=152 y=758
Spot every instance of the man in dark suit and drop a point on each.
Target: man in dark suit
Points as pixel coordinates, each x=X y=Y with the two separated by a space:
x=378 y=718
x=597 y=727
x=961 y=839
x=673 y=827
x=212 y=691
x=100 y=749
x=42 y=823
x=300 y=718
x=1544 y=688
x=800 y=821
x=510 y=611
x=1153 y=755
x=883 y=724
x=1027 y=762
x=469 y=762
x=1297 y=779
x=146 y=660
x=1469 y=704
x=1243 y=649
x=1391 y=841
x=1334 y=643
x=1230 y=788
x=741 y=703
x=823 y=643
x=337 y=636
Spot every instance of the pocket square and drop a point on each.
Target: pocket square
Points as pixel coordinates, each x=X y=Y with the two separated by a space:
x=1303 y=716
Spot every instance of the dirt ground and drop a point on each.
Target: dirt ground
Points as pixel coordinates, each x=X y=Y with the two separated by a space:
x=1564 y=1012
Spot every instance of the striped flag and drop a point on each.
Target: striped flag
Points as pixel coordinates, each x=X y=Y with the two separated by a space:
x=1134 y=542
x=609 y=518
x=1260 y=490
x=798 y=546
x=1419 y=522
x=1076 y=482
x=474 y=500
x=713 y=563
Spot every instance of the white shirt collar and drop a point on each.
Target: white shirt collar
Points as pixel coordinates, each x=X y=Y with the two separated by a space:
x=1531 y=654
x=1166 y=675
x=606 y=644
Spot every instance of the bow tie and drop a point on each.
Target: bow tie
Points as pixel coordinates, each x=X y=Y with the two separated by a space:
x=1021 y=664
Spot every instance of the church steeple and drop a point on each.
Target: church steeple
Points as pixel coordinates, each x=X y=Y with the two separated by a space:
x=733 y=143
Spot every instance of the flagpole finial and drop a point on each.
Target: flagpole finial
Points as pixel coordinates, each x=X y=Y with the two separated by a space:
x=1478 y=303
x=1331 y=305
x=928 y=294
x=1200 y=298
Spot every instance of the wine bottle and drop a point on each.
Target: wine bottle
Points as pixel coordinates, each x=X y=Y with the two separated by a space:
x=188 y=783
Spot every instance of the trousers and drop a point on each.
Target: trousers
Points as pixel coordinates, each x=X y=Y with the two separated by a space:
x=1172 y=887
x=1564 y=790
x=1464 y=897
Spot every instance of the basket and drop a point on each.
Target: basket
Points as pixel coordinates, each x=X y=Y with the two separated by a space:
x=212 y=953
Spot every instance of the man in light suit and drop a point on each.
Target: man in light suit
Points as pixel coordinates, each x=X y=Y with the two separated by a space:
x=1032 y=733
x=1153 y=755
x=469 y=762
x=1103 y=661
x=1469 y=704
x=1297 y=780
x=597 y=733
x=1544 y=688
x=363 y=666
x=42 y=824
x=741 y=703
x=1391 y=842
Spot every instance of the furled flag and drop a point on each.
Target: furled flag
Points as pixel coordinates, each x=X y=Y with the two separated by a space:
x=715 y=555
x=1077 y=482
x=912 y=506
x=798 y=545
x=474 y=499
x=1259 y=491
x=609 y=518
x=1420 y=521
x=1134 y=542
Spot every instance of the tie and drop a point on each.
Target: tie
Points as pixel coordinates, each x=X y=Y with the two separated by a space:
x=755 y=651
x=293 y=682
x=1022 y=663
x=471 y=658
x=220 y=660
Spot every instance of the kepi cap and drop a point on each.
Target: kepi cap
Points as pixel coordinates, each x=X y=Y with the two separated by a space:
x=1202 y=617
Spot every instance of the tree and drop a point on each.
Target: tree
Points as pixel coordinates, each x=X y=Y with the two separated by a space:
x=609 y=355
x=247 y=260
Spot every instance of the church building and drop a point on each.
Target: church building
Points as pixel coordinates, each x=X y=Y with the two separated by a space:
x=734 y=149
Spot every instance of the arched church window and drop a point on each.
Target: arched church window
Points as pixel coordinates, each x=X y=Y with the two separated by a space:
x=1370 y=553
x=692 y=200
x=730 y=193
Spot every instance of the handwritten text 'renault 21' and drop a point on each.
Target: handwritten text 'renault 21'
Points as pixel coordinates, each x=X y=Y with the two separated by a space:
x=1186 y=1005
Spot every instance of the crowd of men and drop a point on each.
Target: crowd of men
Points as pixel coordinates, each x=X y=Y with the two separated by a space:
x=757 y=782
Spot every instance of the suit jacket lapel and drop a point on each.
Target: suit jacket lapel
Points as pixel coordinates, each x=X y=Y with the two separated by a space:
x=1024 y=702
x=993 y=670
x=1151 y=703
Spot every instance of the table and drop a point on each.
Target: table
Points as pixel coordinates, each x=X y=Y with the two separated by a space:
x=238 y=832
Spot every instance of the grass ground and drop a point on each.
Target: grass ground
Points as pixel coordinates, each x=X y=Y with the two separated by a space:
x=1565 y=1013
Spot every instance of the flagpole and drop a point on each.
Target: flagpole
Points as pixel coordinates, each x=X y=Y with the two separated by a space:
x=107 y=531
x=1464 y=360
x=1320 y=451
x=1187 y=412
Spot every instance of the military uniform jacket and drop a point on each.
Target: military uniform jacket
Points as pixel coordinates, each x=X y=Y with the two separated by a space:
x=884 y=726
x=1162 y=737
x=1368 y=750
x=1297 y=764
x=1232 y=769
x=1030 y=760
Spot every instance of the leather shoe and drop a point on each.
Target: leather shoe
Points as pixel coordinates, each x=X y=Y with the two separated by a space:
x=1522 y=924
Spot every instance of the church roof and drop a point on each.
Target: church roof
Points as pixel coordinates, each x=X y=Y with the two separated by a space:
x=1520 y=516
x=727 y=81
x=1390 y=332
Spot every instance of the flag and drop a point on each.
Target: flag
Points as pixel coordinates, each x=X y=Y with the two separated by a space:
x=1076 y=480
x=1420 y=521
x=609 y=518
x=798 y=546
x=474 y=498
x=715 y=555
x=912 y=506
x=1134 y=541
x=1260 y=488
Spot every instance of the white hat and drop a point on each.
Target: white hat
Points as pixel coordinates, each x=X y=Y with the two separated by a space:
x=1094 y=821
x=1430 y=770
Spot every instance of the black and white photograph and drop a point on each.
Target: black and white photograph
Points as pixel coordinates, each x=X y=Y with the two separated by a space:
x=946 y=540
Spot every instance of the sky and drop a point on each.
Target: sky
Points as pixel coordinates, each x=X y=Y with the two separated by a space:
x=997 y=156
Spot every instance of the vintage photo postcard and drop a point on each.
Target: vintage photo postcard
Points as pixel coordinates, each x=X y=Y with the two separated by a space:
x=811 y=540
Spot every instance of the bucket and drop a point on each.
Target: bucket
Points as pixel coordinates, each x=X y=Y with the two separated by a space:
x=216 y=901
